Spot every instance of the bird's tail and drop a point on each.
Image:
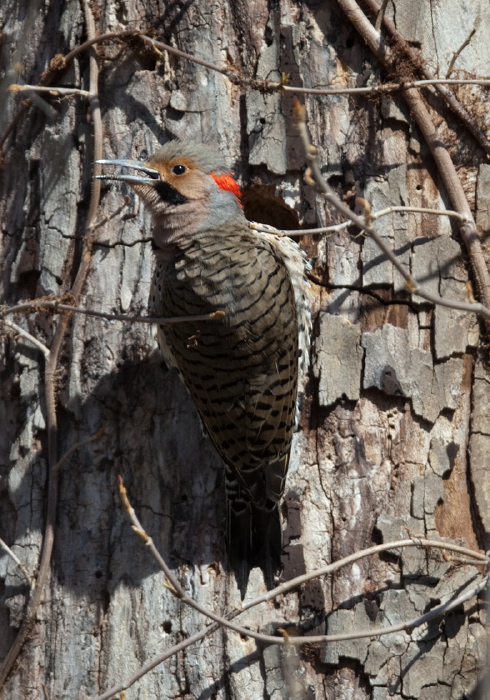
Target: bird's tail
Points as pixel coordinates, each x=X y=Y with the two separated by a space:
x=254 y=539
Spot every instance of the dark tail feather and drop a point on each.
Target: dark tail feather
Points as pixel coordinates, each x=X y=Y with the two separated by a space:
x=267 y=540
x=254 y=539
x=239 y=541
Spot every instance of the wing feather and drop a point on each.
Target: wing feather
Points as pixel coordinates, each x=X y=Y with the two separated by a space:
x=241 y=372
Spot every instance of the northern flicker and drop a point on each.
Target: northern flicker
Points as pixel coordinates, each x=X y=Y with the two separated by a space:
x=241 y=371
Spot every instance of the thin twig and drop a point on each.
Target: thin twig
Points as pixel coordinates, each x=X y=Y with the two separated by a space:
x=120 y=687
x=478 y=559
x=407 y=627
x=382 y=88
x=14 y=87
x=281 y=590
x=483 y=560
x=97 y=40
x=456 y=193
x=175 y=587
x=159 y=45
x=19 y=564
x=36 y=306
x=314 y=178
x=381 y=14
x=464 y=560
x=265 y=228
x=266 y=85
x=77 y=446
x=441 y=156
x=20 y=331
x=419 y=64
x=61 y=62
x=38 y=101
x=458 y=53
x=418 y=210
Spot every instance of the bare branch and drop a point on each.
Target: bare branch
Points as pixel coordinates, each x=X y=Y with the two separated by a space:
x=457 y=53
x=345 y=224
x=176 y=588
x=12 y=75
x=269 y=85
x=20 y=331
x=96 y=40
x=383 y=88
x=407 y=627
x=314 y=178
x=477 y=559
x=480 y=559
x=50 y=90
x=298 y=232
x=60 y=62
x=40 y=305
x=419 y=210
x=380 y=49
x=381 y=14
x=19 y=564
x=77 y=446
x=234 y=78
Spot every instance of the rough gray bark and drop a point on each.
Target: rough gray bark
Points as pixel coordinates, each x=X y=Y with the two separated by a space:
x=394 y=433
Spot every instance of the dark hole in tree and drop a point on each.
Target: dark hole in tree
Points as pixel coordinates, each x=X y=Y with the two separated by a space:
x=260 y=205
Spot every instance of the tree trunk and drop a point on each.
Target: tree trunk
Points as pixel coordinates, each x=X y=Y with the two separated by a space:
x=393 y=440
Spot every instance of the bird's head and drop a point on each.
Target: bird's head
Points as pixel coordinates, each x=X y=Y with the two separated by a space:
x=187 y=188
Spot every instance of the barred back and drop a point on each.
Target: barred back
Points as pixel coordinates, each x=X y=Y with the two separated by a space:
x=241 y=371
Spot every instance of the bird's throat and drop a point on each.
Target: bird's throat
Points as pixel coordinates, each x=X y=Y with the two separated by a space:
x=178 y=224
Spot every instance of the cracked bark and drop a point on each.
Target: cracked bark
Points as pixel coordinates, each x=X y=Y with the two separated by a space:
x=394 y=432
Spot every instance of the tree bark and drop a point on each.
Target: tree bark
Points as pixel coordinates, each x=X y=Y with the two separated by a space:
x=393 y=439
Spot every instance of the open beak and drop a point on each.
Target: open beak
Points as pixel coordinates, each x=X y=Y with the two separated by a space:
x=154 y=175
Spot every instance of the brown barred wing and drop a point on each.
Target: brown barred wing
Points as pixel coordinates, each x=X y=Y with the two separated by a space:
x=241 y=371
x=242 y=374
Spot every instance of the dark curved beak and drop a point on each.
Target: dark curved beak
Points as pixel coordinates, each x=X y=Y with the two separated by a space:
x=154 y=175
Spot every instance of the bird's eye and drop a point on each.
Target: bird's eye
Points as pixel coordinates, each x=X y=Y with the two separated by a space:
x=179 y=169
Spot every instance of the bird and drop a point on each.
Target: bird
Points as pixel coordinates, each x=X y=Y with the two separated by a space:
x=242 y=368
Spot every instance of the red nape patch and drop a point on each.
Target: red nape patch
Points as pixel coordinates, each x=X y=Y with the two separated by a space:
x=228 y=182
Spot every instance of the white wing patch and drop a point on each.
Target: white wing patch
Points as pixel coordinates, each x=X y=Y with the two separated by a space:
x=298 y=266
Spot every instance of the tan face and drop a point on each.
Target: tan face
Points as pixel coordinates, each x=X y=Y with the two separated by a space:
x=183 y=175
